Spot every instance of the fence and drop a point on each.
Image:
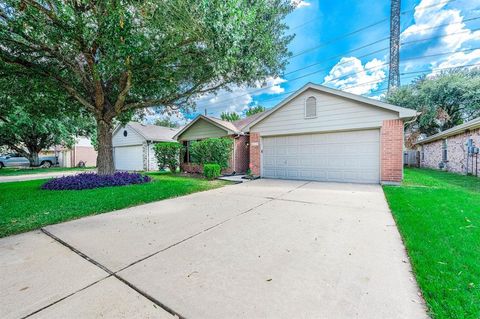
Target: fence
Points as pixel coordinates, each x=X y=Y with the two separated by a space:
x=411 y=158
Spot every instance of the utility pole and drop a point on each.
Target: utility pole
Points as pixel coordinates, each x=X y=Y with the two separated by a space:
x=394 y=73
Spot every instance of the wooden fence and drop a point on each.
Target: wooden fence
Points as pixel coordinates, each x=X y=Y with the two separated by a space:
x=411 y=158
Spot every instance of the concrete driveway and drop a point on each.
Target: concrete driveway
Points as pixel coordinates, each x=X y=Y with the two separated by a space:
x=263 y=249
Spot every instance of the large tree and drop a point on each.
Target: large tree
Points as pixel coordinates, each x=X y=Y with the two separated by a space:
x=35 y=115
x=116 y=56
x=444 y=100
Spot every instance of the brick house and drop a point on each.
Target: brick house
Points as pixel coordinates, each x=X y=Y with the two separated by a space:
x=448 y=150
x=317 y=133
x=203 y=127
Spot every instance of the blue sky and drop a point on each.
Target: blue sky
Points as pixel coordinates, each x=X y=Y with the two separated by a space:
x=316 y=22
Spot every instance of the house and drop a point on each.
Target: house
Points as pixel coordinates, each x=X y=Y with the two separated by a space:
x=317 y=133
x=81 y=153
x=449 y=149
x=203 y=127
x=133 y=145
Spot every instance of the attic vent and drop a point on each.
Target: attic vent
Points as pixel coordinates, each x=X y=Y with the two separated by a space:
x=125 y=133
x=311 y=107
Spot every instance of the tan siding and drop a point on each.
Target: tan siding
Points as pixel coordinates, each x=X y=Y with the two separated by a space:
x=334 y=113
x=202 y=129
x=132 y=138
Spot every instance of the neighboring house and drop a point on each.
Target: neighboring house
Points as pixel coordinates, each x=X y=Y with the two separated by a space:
x=449 y=149
x=203 y=127
x=81 y=152
x=133 y=145
x=319 y=134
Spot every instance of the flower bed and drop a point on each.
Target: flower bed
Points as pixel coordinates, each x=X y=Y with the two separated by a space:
x=93 y=180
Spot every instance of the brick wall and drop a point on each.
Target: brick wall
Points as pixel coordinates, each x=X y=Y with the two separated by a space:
x=456 y=150
x=391 y=151
x=255 y=153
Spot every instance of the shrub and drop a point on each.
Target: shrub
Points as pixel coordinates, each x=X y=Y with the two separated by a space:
x=211 y=171
x=211 y=150
x=93 y=180
x=168 y=155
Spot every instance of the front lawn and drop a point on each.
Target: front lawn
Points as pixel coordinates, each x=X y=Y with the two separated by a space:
x=11 y=171
x=24 y=206
x=438 y=215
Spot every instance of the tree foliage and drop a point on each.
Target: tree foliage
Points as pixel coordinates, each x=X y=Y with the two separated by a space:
x=445 y=100
x=212 y=151
x=230 y=116
x=168 y=155
x=35 y=115
x=167 y=122
x=254 y=110
x=116 y=56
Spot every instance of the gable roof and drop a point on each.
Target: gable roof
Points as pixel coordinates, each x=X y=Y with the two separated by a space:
x=403 y=113
x=470 y=125
x=241 y=124
x=224 y=125
x=235 y=127
x=153 y=133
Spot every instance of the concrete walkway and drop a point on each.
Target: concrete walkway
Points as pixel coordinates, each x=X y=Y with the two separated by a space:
x=263 y=249
x=33 y=176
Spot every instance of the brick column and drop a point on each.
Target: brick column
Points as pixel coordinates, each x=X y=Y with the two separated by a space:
x=391 y=151
x=255 y=153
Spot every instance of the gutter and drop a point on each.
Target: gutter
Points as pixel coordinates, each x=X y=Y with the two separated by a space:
x=462 y=128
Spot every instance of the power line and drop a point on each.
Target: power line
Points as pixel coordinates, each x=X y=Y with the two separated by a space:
x=323 y=69
x=386 y=38
x=403 y=12
x=377 y=81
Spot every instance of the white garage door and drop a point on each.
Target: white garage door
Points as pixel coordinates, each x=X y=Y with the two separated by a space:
x=129 y=158
x=337 y=157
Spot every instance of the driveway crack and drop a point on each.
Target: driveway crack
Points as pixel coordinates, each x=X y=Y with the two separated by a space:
x=110 y=274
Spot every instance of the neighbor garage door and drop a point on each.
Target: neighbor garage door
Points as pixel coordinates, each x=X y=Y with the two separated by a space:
x=337 y=157
x=129 y=158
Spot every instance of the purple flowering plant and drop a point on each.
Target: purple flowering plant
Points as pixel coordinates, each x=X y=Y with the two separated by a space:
x=93 y=180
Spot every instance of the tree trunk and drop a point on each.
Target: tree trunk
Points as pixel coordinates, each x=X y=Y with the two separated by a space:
x=105 y=164
x=33 y=159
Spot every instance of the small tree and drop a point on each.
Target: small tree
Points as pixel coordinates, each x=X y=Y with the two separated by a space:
x=36 y=115
x=168 y=155
x=229 y=116
x=254 y=110
x=212 y=150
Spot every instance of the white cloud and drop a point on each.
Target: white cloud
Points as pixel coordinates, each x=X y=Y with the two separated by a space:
x=239 y=98
x=300 y=4
x=351 y=76
x=437 y=21
x=458 y=59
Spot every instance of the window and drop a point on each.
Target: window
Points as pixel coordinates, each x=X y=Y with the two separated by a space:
x=311 y=108
x=444 y=151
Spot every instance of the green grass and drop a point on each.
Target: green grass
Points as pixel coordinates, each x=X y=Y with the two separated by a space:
x=438 y=215
x=11 y=171
x=24 y=206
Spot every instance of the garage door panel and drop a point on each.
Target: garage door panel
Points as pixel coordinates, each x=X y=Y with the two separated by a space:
x=342 y=157
x=129 y=158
